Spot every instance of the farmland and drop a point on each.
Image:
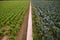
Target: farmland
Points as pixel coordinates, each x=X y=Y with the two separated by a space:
x=46 y=20
x=11 y=17
x=29 y=20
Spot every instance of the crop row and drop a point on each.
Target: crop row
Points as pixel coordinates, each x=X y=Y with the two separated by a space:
x=11 y=17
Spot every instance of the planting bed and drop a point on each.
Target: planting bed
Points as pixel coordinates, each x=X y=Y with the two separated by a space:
x=11 y=17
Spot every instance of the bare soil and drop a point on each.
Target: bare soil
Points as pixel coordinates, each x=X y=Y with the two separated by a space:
x=5 y=38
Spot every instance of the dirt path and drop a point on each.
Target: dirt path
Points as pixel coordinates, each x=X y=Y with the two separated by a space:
x=23 y=31
x=29 y=30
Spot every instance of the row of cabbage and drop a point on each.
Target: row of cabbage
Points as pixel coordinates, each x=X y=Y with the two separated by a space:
x=46 y=20
x=11 y=17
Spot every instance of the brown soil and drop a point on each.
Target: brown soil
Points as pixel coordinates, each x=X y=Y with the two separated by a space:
x=1 y=37
x=23 y=31
x=5 y=38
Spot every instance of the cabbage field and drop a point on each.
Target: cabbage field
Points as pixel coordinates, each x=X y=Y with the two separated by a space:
x=11 y=17
x=46 y=20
